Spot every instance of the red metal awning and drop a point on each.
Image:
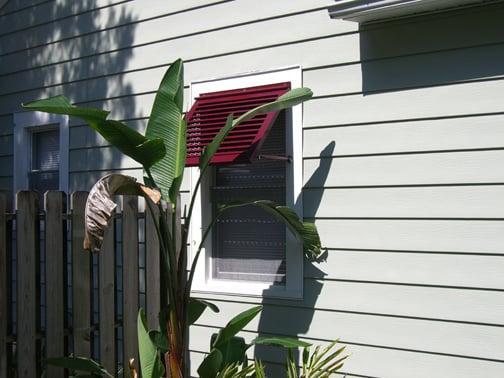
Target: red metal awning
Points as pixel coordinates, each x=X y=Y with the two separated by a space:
x=208 y=115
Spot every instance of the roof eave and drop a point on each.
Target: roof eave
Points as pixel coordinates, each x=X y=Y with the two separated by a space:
x=378 y=10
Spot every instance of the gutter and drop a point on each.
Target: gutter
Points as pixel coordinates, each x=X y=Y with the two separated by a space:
x=376 y=10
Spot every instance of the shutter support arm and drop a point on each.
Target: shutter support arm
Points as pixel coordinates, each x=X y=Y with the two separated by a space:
x=288 y=159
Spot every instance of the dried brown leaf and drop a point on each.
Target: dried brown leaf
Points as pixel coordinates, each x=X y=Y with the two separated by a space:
x=100 y=205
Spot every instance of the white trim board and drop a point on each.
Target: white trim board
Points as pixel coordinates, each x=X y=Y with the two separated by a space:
x=203 y=281
x=24 y=124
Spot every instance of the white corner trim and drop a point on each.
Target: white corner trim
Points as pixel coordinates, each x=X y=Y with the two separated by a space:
x=203 y=281
x=24 y=124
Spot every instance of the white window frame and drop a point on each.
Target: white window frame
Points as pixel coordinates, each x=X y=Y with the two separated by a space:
x=203 y=280
x=27 y=123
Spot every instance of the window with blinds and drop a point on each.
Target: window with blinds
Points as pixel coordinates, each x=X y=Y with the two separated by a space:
x=248 y=243
x=45 y=161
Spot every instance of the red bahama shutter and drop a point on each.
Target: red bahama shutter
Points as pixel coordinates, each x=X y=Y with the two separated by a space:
x=208 y=115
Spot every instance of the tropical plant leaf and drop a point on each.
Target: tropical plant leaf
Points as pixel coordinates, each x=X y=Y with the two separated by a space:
x=234 y=351
x=150 y=363
x=286 y=342
x=79 y=364
x=289 y=99
x=166 y=122
x=210 y=366
x=321 y=362
x=130 y=142
x=181 y=153
x=239 y=371
x=306 y=232
x=100 y=205
x=159 y=340
x=291 y=366
x=235 y=325
x=259 y=369
x=196 y=307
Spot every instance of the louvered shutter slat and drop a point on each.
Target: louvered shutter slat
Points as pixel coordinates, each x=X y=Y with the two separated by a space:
x=208 y=115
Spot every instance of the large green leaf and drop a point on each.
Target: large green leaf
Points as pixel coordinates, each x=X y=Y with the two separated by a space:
x=150 y=363
x=166 y=122
x=130 y=142
x=286 y=342
x=234 y=351
x=179 y=163
x=306 y=232
x=288 y=100
x=235 y=325
x=210 y=365
x=196 y=307
x=79 y=364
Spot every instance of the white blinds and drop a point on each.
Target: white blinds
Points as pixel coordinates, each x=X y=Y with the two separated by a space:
x=248 y=243
x=45 y=156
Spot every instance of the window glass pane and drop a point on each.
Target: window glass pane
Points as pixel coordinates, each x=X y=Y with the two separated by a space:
x=45 y=150
x=45 y=153
x=248 y=243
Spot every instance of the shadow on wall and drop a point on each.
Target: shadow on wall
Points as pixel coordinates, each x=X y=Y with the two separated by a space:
x=290 y=317
x=70 y=56
x=432 y=50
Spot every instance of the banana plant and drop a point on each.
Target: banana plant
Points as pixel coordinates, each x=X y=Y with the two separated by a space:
x=162 y=154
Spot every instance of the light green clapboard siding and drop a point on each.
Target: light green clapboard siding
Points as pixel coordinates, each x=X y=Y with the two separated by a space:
x=416 y=268
x=61 y=11
x=458 y=133
x=182 y=23
x=416 y=70
x=269 y=34
x=437 y=337
x=382 y=39
x=6 y=165
x=409 y=201
x=344 y=80
x=378 y=361
x=400 y=300
x=415 y=169
x=467 y=98
x=6 y=145
x=461 y=236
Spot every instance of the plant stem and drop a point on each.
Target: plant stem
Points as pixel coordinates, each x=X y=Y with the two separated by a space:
x=191 y=206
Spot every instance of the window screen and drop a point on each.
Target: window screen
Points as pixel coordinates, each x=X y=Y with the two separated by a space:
x=248 y=243
x=45 y=156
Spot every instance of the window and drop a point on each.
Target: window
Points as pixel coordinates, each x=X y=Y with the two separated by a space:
x=40 y=152
x=249 y=251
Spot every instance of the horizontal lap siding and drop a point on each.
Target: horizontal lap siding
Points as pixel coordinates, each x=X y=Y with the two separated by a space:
x=408 y=200
x=382 y=361
x=408 y=197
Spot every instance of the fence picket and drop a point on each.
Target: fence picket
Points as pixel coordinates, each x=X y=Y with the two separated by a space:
x=152 y=269
x=3 y=287
x=55 y=242
x=81 y=274
x=27 y=285
x=26 y=339
x=107 y=299
x=130 y=278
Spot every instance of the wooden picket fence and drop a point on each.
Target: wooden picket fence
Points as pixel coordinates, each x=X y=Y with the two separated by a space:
x=75 y=284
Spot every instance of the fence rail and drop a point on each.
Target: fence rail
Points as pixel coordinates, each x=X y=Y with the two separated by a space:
x=57 y=299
